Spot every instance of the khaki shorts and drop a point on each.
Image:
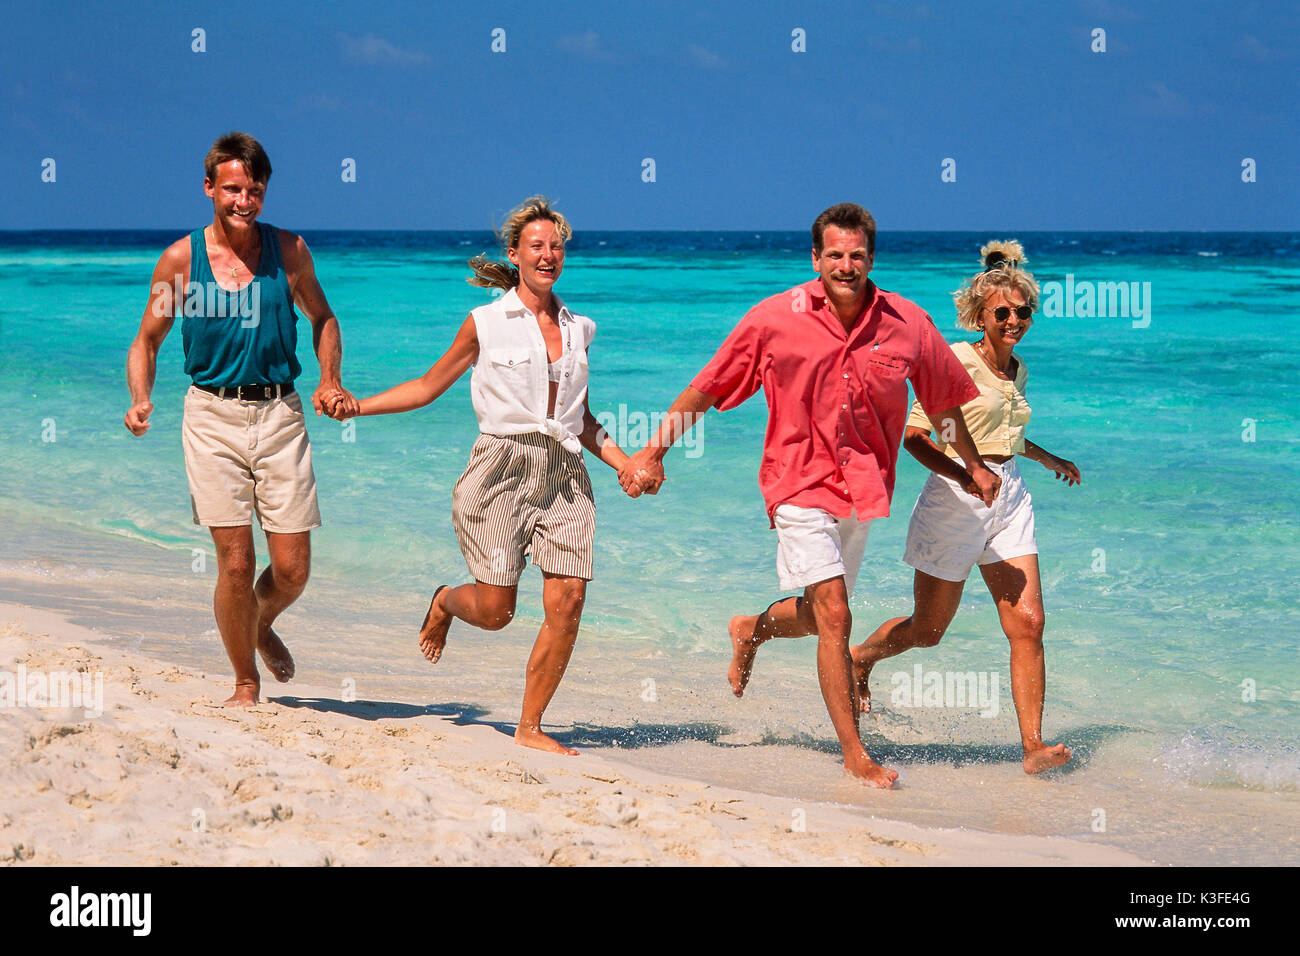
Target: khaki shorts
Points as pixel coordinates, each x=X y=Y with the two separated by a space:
x=813 y=545
x=524 y=495
x=246 y=458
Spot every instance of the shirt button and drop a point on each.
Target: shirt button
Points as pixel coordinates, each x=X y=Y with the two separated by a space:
x=845 y=407
x=846 y=374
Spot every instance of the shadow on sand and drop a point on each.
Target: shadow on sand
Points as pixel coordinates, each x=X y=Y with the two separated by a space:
x=1083 y=741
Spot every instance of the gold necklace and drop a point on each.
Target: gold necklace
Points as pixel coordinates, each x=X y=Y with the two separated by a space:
x=992 y=364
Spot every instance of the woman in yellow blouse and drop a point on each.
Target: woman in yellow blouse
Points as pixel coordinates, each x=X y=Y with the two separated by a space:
x=952 y=530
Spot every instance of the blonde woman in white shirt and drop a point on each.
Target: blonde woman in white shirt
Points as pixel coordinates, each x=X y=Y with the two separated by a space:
x=952 y=530
x=525 y=491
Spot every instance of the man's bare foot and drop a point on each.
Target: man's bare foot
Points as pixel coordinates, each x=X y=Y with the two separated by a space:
x=743 y=648
x=1044 y=758
x=861 y=678
x=862 y=766
x=274 y=654
x=539 y=741
x=245 y=695
x=433 y=632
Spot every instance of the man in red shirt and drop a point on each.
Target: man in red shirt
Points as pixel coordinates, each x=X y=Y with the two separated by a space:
x=834 y=357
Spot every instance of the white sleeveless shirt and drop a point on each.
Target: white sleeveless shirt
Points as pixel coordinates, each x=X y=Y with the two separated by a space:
x=510 y=385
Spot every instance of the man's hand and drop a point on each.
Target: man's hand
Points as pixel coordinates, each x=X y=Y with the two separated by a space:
x=137 y=418
x=641 y=473
x=332 y=399
x=988 y=485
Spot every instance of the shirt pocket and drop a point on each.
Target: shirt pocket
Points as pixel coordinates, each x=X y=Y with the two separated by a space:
x=887 y=365
x=513 y=367
x=885 y=375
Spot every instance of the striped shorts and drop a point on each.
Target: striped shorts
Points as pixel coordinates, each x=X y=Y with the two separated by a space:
x=524 y=495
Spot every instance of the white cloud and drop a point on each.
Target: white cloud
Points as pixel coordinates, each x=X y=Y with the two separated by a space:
x=706 y=59
x=376 y=50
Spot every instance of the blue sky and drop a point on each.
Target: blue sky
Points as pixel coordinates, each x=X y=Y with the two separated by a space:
x=745 y=133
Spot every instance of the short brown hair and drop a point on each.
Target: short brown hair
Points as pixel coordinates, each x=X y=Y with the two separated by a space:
x=242 y=147
x=846 y=215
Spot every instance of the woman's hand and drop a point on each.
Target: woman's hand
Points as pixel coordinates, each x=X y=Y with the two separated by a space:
x=636 y=480
x=1065 y=470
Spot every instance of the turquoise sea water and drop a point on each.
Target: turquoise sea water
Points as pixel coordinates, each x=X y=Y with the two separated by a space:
x=1169 y=574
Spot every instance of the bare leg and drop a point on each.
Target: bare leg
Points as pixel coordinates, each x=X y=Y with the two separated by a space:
x=235 y=607
x=830 y=607
x=279 y=586
x=488 y=606
x=1016 y=588
x=563 y=599
x=935 y=603
x=789 y=617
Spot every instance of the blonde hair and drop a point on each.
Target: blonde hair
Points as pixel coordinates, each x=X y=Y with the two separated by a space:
x=490 y=274
x=1002 y=272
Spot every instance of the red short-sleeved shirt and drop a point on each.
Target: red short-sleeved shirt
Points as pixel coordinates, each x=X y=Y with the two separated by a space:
x=837 y=401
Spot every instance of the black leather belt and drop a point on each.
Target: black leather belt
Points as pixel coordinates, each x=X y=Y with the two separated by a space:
x=250 y=393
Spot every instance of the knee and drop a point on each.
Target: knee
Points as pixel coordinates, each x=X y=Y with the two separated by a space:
x=496 y=614
x=833 y=616
x=565 y=609
x=927 y=633
x=293 y=576
x=1026 y=628
x=237 y=567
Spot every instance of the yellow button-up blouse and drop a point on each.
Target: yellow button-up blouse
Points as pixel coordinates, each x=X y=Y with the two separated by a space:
x=996 y=419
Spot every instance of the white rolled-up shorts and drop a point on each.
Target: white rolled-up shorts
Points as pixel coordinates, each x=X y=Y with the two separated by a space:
x=951 y=531
x=813 y=546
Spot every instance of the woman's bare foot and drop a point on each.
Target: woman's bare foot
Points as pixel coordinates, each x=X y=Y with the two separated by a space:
x=274 y=654
x=862 y=678
x=433 y=632
x=743 y=648
x=862 y=766
x=533 y=737
x=1044 y=758
x=245 y=695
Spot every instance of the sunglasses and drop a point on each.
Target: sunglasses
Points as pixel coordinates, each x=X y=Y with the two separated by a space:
x=1002 y=313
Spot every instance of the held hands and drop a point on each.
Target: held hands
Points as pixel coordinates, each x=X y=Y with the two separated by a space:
x=1065 y=470
x=334 y=400
x=137 y=418
x=641 y=474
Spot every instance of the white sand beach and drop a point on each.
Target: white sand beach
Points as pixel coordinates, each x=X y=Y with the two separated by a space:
x=167 y=776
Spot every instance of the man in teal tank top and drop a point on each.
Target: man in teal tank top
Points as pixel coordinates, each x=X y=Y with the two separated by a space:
x=235 y=284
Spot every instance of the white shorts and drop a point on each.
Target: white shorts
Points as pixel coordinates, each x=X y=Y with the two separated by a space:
x=246 y=458
x=814 y=546
x=952 y=531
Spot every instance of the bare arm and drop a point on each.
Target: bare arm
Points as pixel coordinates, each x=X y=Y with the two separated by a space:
x=919 y=445
x=419 y=392
x=646 y=467
x=326 y=336
x=1065 y=470
x=951 y=422
x=170 y=274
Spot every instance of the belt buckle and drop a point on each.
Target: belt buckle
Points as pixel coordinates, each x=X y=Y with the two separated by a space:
x=249 y=393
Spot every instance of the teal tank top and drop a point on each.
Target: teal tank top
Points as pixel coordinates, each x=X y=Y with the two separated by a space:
x=249 y=337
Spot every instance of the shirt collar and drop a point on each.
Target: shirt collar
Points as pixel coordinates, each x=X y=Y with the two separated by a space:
x=817 y=291
x=511 y=302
